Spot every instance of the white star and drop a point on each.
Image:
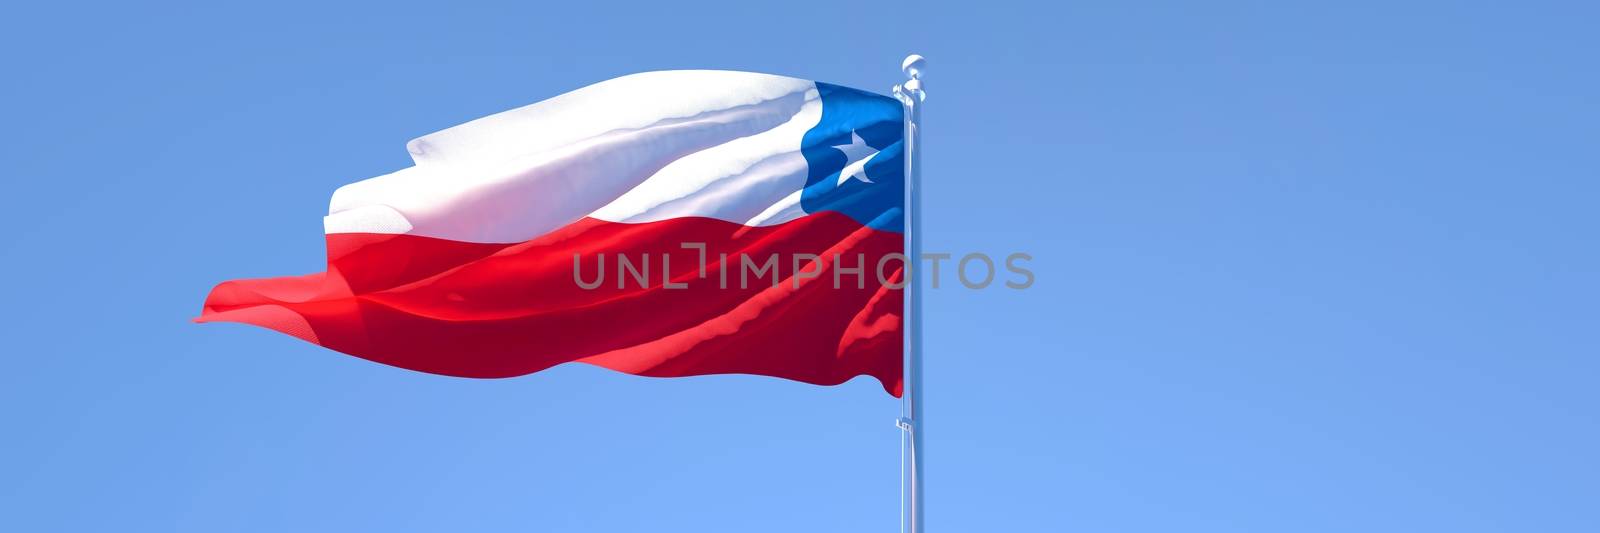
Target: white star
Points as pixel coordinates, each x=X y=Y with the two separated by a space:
x=856 y=156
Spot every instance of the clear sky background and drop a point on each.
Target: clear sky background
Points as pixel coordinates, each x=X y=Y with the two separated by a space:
x=1300 y=268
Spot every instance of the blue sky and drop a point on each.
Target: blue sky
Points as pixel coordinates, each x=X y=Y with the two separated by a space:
x=1300 y=268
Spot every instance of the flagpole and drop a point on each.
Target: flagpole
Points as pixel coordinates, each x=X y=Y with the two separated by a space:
x=911 y=96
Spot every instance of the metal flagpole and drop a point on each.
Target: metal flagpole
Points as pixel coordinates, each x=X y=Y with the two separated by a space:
x=911 y=96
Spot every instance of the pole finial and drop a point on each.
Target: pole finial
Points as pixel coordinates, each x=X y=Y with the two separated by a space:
x=913 y=66
x=911 y=91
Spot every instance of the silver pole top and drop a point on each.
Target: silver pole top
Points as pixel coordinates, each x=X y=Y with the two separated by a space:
x=913 y=66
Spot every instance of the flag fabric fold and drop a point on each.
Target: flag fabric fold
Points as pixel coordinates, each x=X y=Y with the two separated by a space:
x=670 y=223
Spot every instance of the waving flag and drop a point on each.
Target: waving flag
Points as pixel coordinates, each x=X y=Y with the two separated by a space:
x=669 y=223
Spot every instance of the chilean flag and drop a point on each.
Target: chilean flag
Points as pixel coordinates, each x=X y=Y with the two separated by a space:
x=671 y=223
